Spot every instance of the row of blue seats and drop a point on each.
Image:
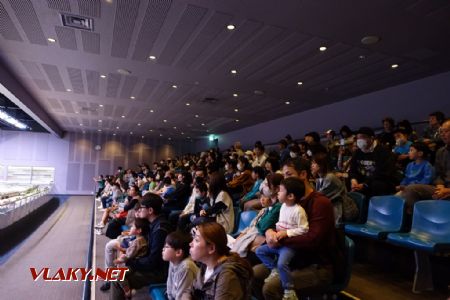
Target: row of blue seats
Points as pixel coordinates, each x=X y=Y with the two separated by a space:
x=429 y=233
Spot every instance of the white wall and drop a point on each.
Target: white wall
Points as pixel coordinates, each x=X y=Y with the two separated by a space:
x=412 y=101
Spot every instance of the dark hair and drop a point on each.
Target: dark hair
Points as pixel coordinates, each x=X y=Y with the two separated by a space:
x=390 y=121
x=366 y=131
x=440 y=117
x=187 y=177
x=283 y=142
x=202 y=187
x=214 y=233
x=153 y=201
x=405 y=125
x=260 y=147
x=232 y=163
x=259 y=171
x=217 y=184
x=179 y=241
x=167 y=180
x=347 y=130
x=275 y=163
x=321 y=159
x=299 y=164
x=274 y=180
x=314 y=135
x=422 y=147
x=294 y=186
x=244 y=161
x=143 y=225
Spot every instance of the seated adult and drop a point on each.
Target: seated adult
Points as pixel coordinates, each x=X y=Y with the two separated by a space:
x=250 y=200
x=242 y=182
x=441 y=187
x=151 y=268
x=372 y=168
x=254 y=235
x=178 y=199
x=315 y=250
x=223 y=275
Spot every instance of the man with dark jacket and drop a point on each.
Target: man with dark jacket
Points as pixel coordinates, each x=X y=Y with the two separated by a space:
x=151 y=268
x=372 y=169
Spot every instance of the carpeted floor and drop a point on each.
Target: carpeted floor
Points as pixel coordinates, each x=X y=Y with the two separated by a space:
x=60 y=242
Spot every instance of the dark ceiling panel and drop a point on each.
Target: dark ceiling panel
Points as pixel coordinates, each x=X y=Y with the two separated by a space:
x=113 y=85
x=76 y=79
x=90 y=8
x=93 y=79
x=124 y=23
x=29 y=21
x=7 y=28
x=36 y=74
x=147 y=89
x=54 y=77
x=91 y=42
x=63 y=5
x=154 y=18
x=188 y=23
x=66 y=37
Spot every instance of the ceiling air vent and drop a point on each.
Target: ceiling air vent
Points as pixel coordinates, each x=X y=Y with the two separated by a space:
x=78 y=22
x=210 y=100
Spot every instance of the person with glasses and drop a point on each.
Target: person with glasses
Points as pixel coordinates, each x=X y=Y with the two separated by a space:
x=151 y=268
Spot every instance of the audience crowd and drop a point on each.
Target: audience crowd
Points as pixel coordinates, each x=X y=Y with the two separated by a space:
x=182 y=212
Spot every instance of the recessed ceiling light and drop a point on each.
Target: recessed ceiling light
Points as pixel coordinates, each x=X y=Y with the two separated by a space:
x=236 y=120
x=124 y=71
x=300 y=83
x=174 y=127
x=132 y=97
x=287 y=102
x=258 y=92
x=174 y=86
x=236 y=109
x=100 y=105
x=187 y=104
x=114 y=134
x=81 y=124
x=142 y=137
x=151 y=130
x=394 y=66
x=51 y=40
x=131 y=132
x=123 y=117
x=102 y=76
x=196 y=116
x=99 y=130
x=233 y=72
x=117 y=127
x=231 y=27
x=77 y=112
x=165 y=121
x=235 y=95
x=370 y=40
x=84 y=132
x=138 y=124
x=169 y=139
x=361 y=56
x=151 y=110
x=69 y=90
x=160 y=134
x=203 y=124
x=323 y=48
x=100 y=121
x=152 y=57
x=182 y=133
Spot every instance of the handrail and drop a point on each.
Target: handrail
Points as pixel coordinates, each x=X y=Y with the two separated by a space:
x=87 y=283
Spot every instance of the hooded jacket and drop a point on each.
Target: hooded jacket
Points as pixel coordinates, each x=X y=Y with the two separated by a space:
x=230 y=280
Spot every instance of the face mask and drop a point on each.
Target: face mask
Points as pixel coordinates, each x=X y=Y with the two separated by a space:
x=309 y=153
x=362 y=144
x=240 y=168
x=227 y=167
x=293 y=154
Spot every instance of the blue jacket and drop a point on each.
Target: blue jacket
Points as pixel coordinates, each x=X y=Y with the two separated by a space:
x=422 y=173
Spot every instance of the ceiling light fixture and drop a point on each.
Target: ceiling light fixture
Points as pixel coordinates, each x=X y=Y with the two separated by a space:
x=131 y=132
x=362 y=57
x=203 y=124
x=237 y=120
x=152 y=57
x=100 y=105
x=123 y=117
x=103 y=76
x=151 y=110
x=174 y=86
x=370 y=40
x=233 y=72
x=138 y=124
x=231 y=27
x=187 y=104
x=99 y=130
x=68 y=90
x=132 y=97
x=100 y=121
x=300 y=83
x=165 y=121
x=51 y=40
x=182 y=133
x=197 y=116
x=394 y=66
x=151 y=130
x=124 y=71
x=323 y=48
x=114 y=134
x=235 y=95
x=169 y=139
x=117 y=127
x=160 y=134
x=236 y=110
x=81 y=124
x=287 y=102
x=142 y=137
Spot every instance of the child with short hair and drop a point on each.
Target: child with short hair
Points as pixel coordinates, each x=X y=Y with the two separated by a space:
x=182 y=270
x=136 y=248
x=292 y=222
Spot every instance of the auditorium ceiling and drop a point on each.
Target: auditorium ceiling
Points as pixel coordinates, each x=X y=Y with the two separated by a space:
x=174 y=69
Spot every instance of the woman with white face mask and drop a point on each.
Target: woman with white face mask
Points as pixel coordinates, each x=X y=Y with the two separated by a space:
x=372 y=170
x=242 y=183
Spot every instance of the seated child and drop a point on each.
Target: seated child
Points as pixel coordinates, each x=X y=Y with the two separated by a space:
x=182 y=270
x=136 y=248
x=292 y=222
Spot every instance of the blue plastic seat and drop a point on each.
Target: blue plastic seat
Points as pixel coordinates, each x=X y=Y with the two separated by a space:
x=430 y=231
x=385 y=215
x=245 y=219
x=158 y=291
x=361 y=203
x=349 y=255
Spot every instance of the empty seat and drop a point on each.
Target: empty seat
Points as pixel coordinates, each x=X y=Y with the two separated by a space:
x=385 y=215
x=158 y=291
x=245 y=219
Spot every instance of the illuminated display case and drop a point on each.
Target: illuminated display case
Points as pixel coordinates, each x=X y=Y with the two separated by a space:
x=42 y=175
x=19 y=174
x=34 y=175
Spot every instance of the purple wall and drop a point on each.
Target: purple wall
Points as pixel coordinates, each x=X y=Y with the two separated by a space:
x=413 y=101
x=75 y=159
